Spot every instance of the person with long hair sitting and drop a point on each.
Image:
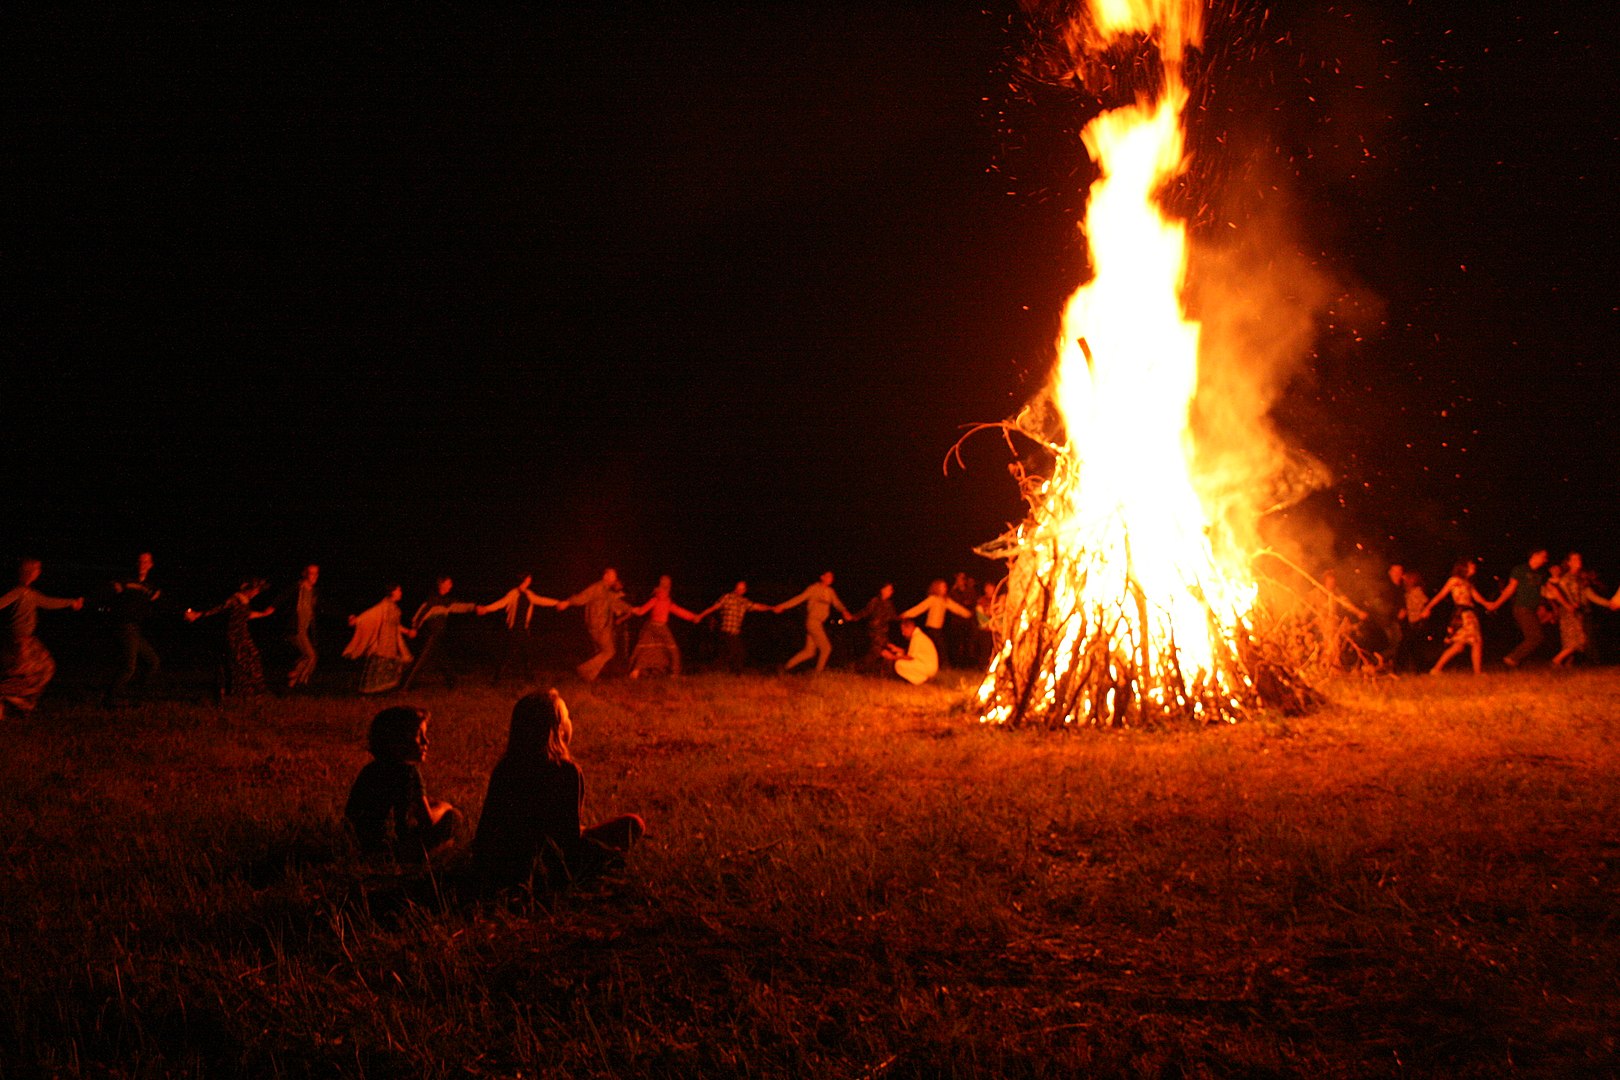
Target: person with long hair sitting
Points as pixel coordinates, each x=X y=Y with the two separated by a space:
x=531 y=826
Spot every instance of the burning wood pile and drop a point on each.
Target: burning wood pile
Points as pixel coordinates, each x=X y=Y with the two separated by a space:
x=1127 y=602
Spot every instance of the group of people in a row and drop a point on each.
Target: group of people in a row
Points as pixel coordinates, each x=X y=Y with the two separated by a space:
x=1541 y=593
x=531 y=830
x=917 y=661
x=961 y=618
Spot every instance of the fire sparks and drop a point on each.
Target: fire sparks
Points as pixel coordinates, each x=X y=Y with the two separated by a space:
x=1124 y=603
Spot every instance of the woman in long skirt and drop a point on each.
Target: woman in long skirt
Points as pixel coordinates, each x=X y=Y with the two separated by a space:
x=656 y=652
x=1573 y=594
x=380 y=640
x=241 y=671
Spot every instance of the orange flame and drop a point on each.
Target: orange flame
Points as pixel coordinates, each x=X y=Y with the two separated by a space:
x=1119 y=605
x=1175 y=24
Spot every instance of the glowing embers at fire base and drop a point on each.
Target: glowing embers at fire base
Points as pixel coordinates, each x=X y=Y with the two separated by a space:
x=1120 y=608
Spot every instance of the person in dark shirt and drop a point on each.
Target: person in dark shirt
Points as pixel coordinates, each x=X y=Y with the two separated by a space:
x=1388 y=606
x=240 y=671
x=879 y=614
x=1412 y=655
x=517 y=652
x=132 y=605
x=959 y=631
x=989 y=629
x=429 y=624
x=1525 y=584
x=530 y=828
x=388 y=807
x=733 y=608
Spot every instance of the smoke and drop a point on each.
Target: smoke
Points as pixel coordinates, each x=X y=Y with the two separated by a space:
x=1260 y=301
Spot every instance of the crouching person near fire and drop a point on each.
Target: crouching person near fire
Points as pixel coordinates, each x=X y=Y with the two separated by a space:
x=531 y=827
x=919 y=660
x=388 y=807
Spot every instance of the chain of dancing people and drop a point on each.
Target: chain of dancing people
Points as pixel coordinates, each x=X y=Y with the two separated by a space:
x=1393 y=631
x=395 y=653
x=1396 y=630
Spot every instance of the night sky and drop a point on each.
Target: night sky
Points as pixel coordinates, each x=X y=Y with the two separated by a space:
x=714 y=292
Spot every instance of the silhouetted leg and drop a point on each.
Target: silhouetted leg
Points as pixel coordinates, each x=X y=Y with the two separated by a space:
x=591 y=668
x=621 y=834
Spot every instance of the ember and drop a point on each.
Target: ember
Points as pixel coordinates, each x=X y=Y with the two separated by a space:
x=1125 y=605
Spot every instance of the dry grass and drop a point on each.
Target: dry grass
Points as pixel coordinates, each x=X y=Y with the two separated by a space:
x=843 y=878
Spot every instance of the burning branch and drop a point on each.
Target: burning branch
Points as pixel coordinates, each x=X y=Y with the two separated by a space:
x=1075 y=655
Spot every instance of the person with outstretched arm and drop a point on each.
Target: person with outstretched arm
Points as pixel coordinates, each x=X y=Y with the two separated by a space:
x=818 y=600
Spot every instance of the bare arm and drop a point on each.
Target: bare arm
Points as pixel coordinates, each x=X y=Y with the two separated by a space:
x=795 y=602
x=1435 y=599
x=193 y=616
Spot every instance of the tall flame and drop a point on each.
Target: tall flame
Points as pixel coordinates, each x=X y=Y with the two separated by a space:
x=1119 y=607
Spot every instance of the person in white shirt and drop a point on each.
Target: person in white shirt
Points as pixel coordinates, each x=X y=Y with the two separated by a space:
x=934 y=607
x=919 y=660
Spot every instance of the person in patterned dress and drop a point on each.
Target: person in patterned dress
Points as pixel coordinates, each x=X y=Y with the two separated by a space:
x=1464 y=632
x=241 y=670
x=1574 y=596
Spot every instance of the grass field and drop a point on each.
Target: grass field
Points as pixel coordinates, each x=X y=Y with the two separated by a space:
x=842 y=878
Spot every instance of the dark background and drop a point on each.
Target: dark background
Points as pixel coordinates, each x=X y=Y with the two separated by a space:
x=713 y=292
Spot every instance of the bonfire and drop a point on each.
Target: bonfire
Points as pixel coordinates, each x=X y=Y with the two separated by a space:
x=1125 y=602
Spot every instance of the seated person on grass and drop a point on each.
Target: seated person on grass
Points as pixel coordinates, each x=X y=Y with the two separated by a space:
x=531 y=822
x=388 y=807
x=919 y=660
